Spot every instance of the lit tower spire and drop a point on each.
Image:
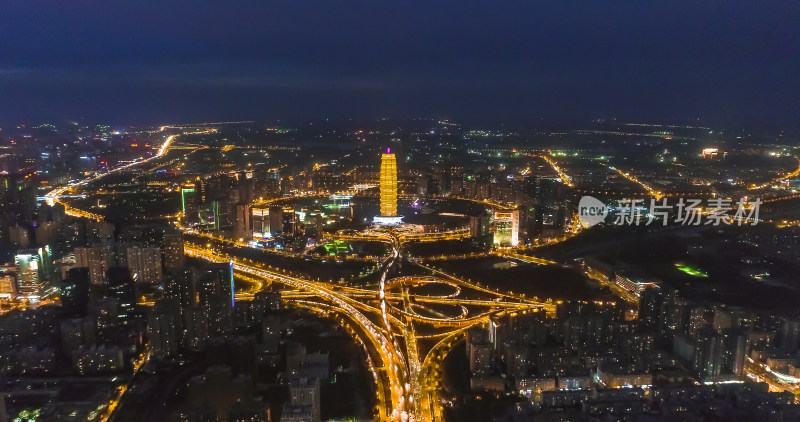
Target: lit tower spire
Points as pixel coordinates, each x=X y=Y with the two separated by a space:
x=388 y=184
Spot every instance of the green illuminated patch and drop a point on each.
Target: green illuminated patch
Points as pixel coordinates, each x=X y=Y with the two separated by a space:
x=694 y=272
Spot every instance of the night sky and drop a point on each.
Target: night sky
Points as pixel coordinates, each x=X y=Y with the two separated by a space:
x=730 y=63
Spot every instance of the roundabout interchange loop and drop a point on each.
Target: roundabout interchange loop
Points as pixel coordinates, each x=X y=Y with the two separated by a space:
x=405 y=328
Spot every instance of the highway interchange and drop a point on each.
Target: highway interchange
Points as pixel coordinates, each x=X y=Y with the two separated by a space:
x=405 y=324
x=406 y=335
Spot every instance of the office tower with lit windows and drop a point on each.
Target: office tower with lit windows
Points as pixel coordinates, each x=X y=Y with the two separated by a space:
x=182 y=286
x=172 y=250
x=32 y=271
x=121 y=287
x=260 y=222
x=507 y=228
x=97 y=259
x=388 y=191
x=266 y=222
x=145 y=264
x=163 y=328
x=8 y=283
x=217 y=281
x=189 y=200
x=29 y=275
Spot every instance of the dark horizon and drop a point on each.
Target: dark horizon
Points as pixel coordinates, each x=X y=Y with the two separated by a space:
x=729 y=65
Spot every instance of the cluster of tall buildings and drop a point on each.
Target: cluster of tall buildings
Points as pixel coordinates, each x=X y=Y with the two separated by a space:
x=45 y=253
x=221 y=201
x=198 y=317
x=197 y=305
x=677 y=359
x=95 y=332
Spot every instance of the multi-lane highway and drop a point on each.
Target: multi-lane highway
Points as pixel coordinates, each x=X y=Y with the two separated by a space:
x=386 y=320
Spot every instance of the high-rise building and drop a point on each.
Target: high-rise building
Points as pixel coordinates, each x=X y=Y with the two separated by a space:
x=71 y=236
x=58 y=212
x=47 y=233
x=650 y=301
x=734 y=350
x=209 y=216
x=388 y=184
x=220 y=316
x=31 y=264
x=195 y=320
x=305 y=392
x=270 y=333
x=388 y=190
x=479 y=226
x=260 y=221
x=217 y=281
x=98 y=231
x=96 y=359
x=20 y=236
x=105 y=314
x=97 y=259
x=215 y=291
x=172 y=250
x=266 y=221
x=189 y=202
x=479 y=350
x=295 y=356
x=218 y=388
x=75 y=292
x=18 y=197
x=297 y=413
x=265 y=301
x=8 y=283
x=708 y=353
x=275 y=220
x=145 y=264
x=122 y=288
x=506 y=228
x=242 y=224
x=163 y=326
x=76 y=332
x=183 y=287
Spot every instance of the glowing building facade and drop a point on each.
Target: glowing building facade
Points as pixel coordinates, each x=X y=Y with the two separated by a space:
x=388 y=187
x=388 y=184
x=33 y=271
x=506 y=228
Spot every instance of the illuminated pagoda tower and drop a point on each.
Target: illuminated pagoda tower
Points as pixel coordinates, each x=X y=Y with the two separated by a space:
x=388 y=186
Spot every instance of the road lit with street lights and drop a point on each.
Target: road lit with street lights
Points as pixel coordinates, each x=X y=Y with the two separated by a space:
x=385 y=322
x=405 y=328
x=650 y=191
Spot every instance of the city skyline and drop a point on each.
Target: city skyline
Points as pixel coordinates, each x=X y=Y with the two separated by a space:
x=462 y=211
x=229 y=250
